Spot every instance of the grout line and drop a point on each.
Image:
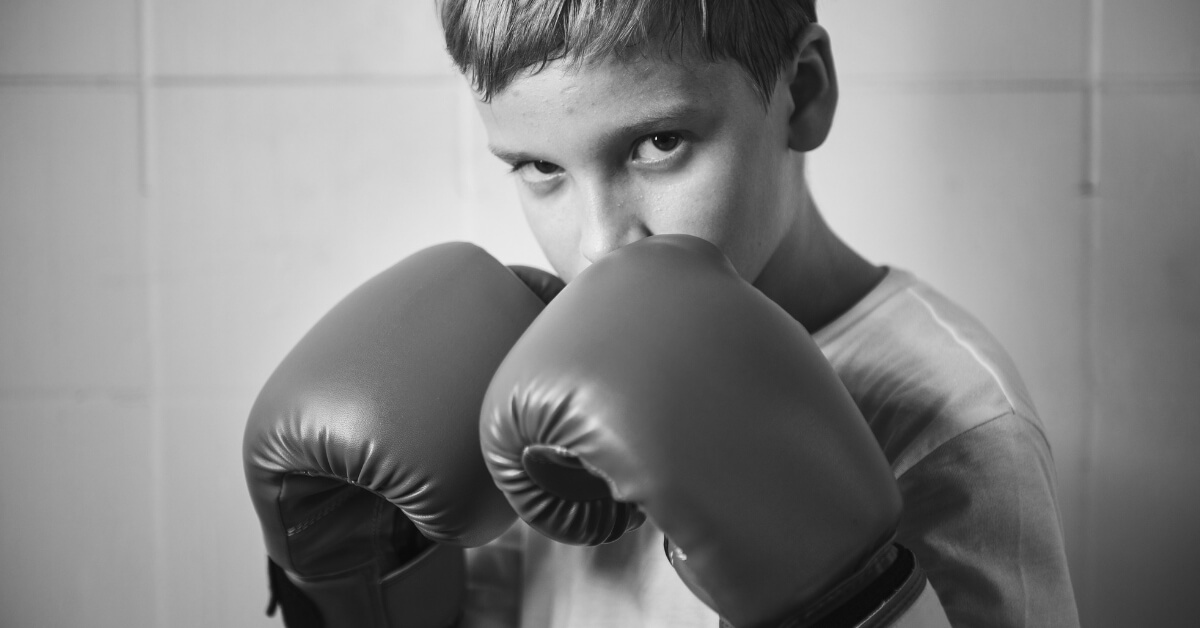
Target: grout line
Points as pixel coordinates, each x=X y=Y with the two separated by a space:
x=151 y=251
x=167 y=81
x=1089 y=288
x=1093 y=82
x=1092 y=86
x=1132 y=84
x=961 y=84
x=1110 y=84
x=145 y=101
x=97 y=81
x=302 y=80
x=1113 y=84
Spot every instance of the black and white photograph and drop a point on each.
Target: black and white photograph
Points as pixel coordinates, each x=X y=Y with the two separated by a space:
x=599 y=313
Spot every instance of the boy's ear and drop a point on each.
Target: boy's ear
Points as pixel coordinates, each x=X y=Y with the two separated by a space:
x=814 y=90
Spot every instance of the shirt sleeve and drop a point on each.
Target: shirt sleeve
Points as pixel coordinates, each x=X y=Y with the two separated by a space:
x=981 y=515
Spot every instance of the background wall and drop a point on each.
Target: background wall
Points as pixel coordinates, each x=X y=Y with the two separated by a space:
x=185 y=186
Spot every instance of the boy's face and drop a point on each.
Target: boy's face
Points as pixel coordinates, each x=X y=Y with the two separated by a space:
x=614 y=151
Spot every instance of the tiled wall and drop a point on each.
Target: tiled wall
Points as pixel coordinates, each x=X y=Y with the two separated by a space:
x=185 y=186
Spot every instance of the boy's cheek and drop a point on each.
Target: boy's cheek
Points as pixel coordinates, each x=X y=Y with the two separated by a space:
x=556 y=236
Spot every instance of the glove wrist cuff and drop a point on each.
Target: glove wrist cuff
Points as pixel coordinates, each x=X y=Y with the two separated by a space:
x=873 y=597
x=425 y=592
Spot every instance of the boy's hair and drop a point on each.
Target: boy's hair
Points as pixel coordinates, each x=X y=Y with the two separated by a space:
x=493 y=41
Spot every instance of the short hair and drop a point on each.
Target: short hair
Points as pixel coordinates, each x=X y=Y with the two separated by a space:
x=493 y=41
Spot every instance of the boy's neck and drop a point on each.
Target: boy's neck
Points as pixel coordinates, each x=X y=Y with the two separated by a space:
x=814 y=275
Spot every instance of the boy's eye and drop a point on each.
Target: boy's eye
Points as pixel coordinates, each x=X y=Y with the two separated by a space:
x=656 y=147
x=537 y=171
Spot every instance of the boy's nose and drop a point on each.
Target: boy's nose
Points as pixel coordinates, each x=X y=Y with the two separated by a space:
x=609 y=223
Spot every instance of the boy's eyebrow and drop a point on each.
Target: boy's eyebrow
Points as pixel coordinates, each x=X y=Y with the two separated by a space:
x=510 y=157
x=645 y=123
x=656 y=120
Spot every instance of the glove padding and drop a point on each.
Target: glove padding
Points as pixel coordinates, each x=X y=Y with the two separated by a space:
x=660 y=382
x=363 y=445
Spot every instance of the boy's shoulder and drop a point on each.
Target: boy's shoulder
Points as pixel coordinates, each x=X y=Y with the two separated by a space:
x=922 y=369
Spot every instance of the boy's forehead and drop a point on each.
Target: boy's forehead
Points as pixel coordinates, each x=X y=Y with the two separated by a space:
x=617 y=91
x=641 y=72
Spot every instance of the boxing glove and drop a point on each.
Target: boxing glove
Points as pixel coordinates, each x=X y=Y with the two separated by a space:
x=660 y=384
x=362 y=455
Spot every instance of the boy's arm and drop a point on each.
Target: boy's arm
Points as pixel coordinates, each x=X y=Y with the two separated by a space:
x=494 y=582
x=981 y=515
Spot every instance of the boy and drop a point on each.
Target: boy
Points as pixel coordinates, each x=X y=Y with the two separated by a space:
x=625 y=119
x=636 y=126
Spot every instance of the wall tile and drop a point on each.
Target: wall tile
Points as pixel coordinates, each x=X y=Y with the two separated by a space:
x=276 y=202
x=977 y=194
x=1151 y=39
x=1145 y=513
x=77 y=517
x=71 y=253
x=214 y=548
x=306 y=37
x=68 y=37
x=946 y=39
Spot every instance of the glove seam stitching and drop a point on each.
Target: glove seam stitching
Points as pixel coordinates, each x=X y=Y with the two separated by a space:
x=321 y=514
